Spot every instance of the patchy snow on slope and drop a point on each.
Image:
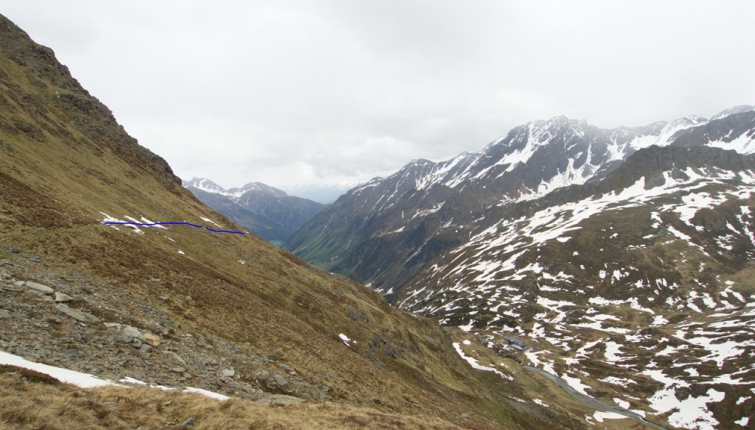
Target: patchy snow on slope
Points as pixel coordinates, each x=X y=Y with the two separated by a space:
x=426 y=212
x=719 y=351
x=206 y=393
x=602 y=415
x=743 y=144
x=146 y=221
x=109 y=218
x=473 y=362
x=490 y=258
x=617 y=381
x=613 y=353
x=690 y=413
x=78 y=379
x=554 y=222
x=84 y=380
x=577 y=384
x=211 y=221
x=664 y=137
x=346 y=339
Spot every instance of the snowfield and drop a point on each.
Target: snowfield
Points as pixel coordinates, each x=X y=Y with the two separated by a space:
x=84 y=380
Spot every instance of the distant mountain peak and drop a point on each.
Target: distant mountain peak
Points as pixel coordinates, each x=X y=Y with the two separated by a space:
x=421 y=162
x=232 y=193
x=258 y=186
x=264 y=210
x=733 y=110
x=204 y=185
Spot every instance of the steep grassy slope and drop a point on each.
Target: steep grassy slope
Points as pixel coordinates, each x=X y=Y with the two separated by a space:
x=220 y=299
x=30 y=400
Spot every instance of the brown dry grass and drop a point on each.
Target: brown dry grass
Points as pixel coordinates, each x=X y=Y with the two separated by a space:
x=49 y=405
x=56 y=181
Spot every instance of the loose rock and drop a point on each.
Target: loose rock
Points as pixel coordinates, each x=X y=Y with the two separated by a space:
x=130 y=333
x=228 y=372
x=280 y=380
x=176 y=357
x=151 y=339
x=76 y=314
x=143 y=353
x=263 y=376
x=62 y=297
x=44 y=289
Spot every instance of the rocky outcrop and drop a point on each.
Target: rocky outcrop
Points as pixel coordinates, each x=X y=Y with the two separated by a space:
x=75 y=339
x=100 y=131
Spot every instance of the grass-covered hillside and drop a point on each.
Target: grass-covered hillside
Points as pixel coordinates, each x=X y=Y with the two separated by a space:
x=223 y=312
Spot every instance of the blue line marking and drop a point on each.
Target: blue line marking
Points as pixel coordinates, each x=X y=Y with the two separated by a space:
x=150 y=224
x=223 y=231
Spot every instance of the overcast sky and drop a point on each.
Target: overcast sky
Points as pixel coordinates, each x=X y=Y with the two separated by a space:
x=300 y=92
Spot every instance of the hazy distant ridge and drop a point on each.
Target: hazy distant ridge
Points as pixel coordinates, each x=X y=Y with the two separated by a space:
x=266 y=211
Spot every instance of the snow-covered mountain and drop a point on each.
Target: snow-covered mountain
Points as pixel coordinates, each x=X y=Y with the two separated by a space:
x=264 y=210
x=384 y=232
x=622 y=258
x=640 y=294
x=234 y=194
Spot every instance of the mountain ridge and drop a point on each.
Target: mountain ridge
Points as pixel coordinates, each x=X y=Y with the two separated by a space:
x=621 y=266
x=264 y=210
x=531 y=161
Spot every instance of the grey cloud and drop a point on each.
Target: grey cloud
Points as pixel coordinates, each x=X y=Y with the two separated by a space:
x=319 y=91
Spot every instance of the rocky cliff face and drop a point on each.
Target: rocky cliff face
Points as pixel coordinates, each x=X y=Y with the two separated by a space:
x=265 y=211
x=53 y=104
